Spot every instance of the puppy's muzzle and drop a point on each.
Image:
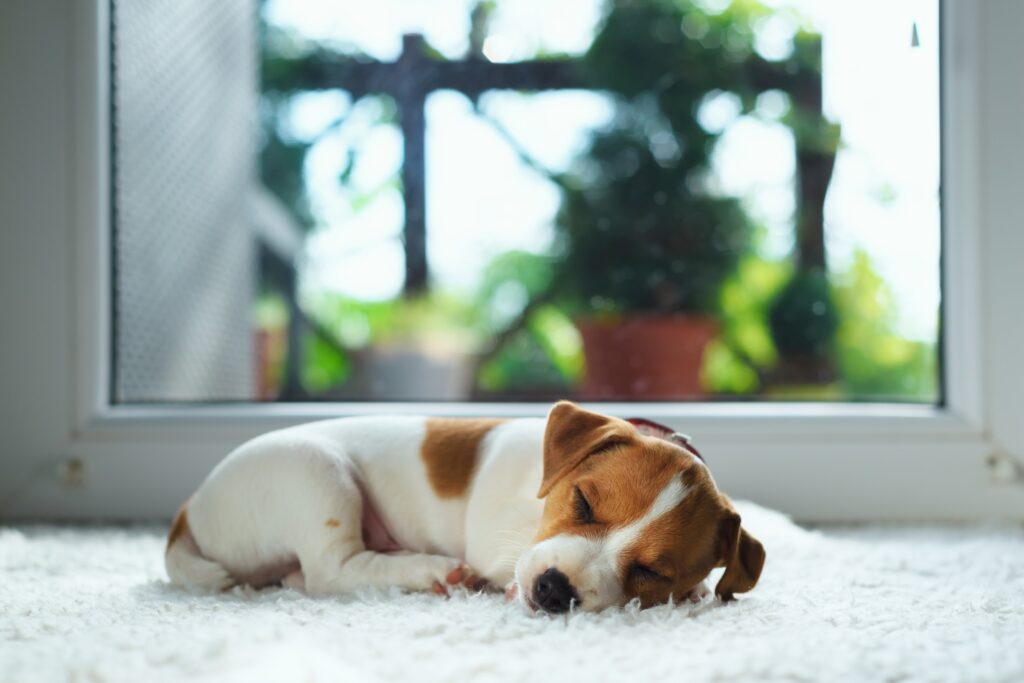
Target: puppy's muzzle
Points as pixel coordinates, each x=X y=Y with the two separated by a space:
x=553 y=593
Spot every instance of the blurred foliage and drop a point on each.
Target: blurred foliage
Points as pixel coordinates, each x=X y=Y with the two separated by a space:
x=813 y=133
x=509 y=282
x=434 y=319
x=873 y=359
x=546 y=354
x=281 y=159
x=434 y=323
x=803 y=318
x=733 y=363
x=324 y=366
x=547 y=351
x=636 y=247
x=638 y=230
x=641 y=230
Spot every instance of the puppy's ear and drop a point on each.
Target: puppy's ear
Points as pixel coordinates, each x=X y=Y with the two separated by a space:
x=571 y=435
x=741 y=554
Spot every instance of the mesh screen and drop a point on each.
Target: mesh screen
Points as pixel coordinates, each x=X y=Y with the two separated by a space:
x=185 y=79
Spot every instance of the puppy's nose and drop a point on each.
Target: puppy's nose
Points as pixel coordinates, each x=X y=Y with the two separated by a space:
x=553 y=592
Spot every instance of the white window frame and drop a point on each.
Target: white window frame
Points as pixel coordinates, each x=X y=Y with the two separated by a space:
x=817 y=462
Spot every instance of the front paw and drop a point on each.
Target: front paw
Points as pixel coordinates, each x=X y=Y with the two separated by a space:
x=697 y=593
x=462 y=577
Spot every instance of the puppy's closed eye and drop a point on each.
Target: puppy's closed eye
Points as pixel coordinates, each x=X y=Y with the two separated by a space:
x=643 y=573
x=584 y=513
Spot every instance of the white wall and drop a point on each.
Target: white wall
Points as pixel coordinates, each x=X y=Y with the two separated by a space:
x=1002 y=177
x=36 y=116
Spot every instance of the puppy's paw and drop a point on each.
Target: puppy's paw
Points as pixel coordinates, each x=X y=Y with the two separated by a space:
x=296 y=580
x=207 y=577
x=697 y=593
x=426 y=572
x=460 y=578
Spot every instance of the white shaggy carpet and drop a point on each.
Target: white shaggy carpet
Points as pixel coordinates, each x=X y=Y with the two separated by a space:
x=871 y=604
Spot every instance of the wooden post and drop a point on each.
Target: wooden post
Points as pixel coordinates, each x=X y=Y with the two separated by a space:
x=814 y=166
x=411 y=97
x=409 y=80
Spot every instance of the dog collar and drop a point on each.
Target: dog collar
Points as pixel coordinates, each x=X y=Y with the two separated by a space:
x=668 y=434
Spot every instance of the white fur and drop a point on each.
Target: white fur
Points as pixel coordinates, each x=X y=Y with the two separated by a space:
x=268 y=504
x=187 y=567
x=293 y=498
x=503 y=512
x=668 y=499
x=594 y=564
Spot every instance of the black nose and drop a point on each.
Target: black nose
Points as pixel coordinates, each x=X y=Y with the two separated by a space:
x=553 y=592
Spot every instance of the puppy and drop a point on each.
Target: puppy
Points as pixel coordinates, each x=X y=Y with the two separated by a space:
x=579 y=511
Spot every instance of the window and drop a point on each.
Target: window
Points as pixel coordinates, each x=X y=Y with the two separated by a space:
x=815 y=460
x=522 y=201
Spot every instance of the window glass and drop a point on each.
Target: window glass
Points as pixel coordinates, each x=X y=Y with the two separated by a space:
x=631 y=200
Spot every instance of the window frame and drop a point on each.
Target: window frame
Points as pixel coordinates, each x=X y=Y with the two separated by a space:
x=815 y=461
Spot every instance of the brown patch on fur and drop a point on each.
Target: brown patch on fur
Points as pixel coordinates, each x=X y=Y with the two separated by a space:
x=741 y=554
x=702 y=533
x=572 y=435
x=619 y=483
x=621 y=472
x=179 y=527
x=332 y=523
x=680 y=546
x=450 y=450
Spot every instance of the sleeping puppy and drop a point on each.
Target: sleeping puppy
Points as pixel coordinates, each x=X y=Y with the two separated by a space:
x=578 y=511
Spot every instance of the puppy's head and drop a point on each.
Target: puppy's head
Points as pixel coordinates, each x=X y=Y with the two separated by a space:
x=628 y=514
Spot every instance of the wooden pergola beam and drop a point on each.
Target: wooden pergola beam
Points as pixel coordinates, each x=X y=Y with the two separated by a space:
x=410 y=80
x=415 y=75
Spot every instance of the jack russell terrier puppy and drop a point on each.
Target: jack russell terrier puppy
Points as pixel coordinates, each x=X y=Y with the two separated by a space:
x=577 y=511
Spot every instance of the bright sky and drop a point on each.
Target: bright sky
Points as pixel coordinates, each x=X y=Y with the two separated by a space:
x=482 y=200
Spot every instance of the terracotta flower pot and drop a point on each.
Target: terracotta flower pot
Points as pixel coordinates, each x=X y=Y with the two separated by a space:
x=645 y=356
x=271 y=349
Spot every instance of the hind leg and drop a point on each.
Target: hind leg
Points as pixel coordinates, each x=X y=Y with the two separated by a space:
x=330 y=549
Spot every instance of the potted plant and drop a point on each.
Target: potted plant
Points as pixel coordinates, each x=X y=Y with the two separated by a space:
x=644 y=259
x=645 y=245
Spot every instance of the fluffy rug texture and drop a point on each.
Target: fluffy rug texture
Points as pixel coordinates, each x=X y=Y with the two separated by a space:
x=872 y=604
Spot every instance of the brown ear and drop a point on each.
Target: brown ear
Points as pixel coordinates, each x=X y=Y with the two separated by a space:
x=571 y=435
x=741 y=554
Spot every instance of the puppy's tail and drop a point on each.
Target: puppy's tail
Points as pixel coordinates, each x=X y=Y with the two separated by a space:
x=186 y=565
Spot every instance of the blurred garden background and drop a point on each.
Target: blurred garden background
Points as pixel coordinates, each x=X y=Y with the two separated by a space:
x=629 y=200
